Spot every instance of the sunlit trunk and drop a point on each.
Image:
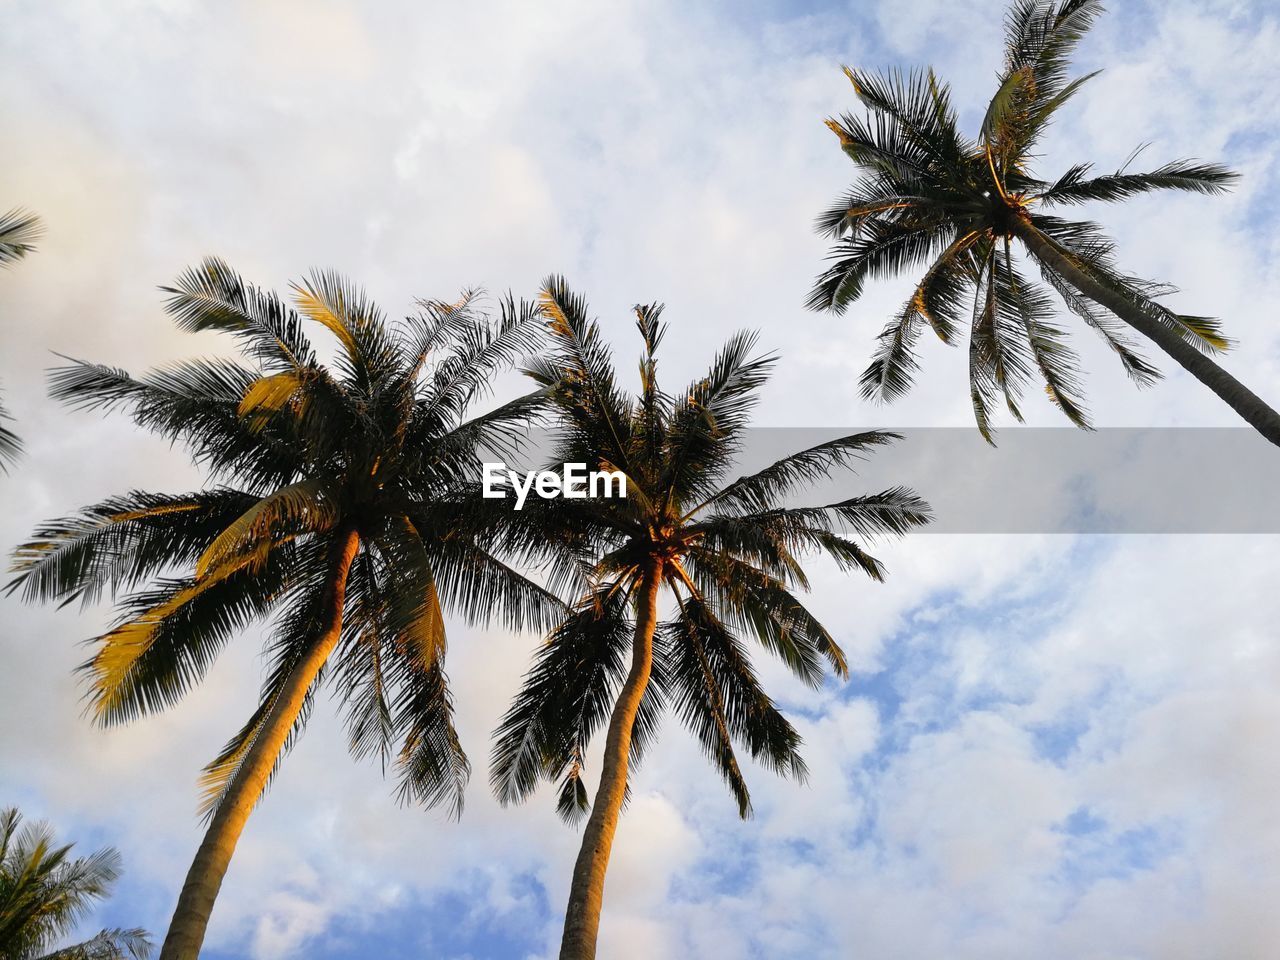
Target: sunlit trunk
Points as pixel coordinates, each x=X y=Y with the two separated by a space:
x=582 y=918
x=195 y=903
x=1239 y=397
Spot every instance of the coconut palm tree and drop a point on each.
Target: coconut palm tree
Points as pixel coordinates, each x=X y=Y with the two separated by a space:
x=44 y=894
x=966 y=211
x=328 y=508
x=724 y=554
x=19 y=231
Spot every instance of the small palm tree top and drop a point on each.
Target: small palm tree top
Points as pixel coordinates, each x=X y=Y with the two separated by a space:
x=45 y=893
x=729 y=554
x=932 y=198
x=300 y=457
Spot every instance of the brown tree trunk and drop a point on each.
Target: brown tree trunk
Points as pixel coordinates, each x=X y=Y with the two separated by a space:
x=1239 y=397
x=195 y=903
x=586 y=893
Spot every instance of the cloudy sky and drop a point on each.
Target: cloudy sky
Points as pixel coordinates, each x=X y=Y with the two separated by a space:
x=1052 y=743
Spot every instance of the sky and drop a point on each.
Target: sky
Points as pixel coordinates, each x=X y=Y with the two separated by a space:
x=1051 y=743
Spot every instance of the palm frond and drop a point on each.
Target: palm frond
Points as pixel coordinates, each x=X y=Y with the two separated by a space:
x=1138 y=368
x=1081 y=244
x=214 y=297
x=116 y=943
x=1043 y=34
x=433 y=768
x=764 y=489
x=917 y=104
x=1076 y=186
x=880 y=249
x=364 y=670
x=938 y=300
x=580 y=369
x=565 y=696
x=894 y=512
x=19 y=233
x=10 y=442
x=717 y=696
x=303 y=507
x=1056 y=361
x=874 y=196
x=370 y=353
x=119 y=542
x=761 y=606
x=479 y=349
x=478 y=586
x=170 y=634
x=195 y=402
x=707 y=420
x=1009 y=98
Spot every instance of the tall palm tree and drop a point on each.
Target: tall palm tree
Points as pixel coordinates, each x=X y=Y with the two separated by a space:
x=725 y=554
x=931 y=198
x=44 y=894
x=328 y=508
x=19 y=231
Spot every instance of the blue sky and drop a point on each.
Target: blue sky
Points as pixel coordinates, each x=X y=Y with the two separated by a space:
x=1052 y=744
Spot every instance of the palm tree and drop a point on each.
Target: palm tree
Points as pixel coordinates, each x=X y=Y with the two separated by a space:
x=931 y=198
x=329 y=508
x=44 y=894
x=19 y=232
x=726 y=554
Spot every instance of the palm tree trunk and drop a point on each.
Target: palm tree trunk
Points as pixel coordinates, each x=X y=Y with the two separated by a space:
x=1239 y=397
x=195 y=903
x=586 y=893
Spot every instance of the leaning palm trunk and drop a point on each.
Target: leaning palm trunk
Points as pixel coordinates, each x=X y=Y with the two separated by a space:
x=586 y=893
x=1239 y=397
x=195 y=903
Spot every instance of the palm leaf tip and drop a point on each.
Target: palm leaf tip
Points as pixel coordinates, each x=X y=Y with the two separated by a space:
x=20 y=231
x=10 y=445
x=1193 y=176
x=838 y=129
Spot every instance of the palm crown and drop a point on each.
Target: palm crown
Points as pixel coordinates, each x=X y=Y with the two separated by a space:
x=302 y=454
x=931 y=198
x=728 y=553
x=45 y=893
x=333 y=511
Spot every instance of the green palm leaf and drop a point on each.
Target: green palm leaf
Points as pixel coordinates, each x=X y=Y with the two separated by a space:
x=19 y=233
